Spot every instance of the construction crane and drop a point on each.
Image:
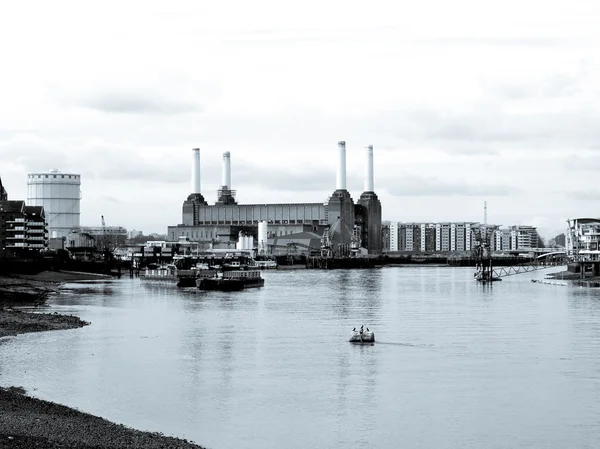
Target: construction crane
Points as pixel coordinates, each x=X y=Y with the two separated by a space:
x=104 y=244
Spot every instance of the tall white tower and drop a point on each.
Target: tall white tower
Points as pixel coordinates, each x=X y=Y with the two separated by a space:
x=340 y=181
x=226 y=173
x=369 y=183
x=60 y=195
x=196 y=170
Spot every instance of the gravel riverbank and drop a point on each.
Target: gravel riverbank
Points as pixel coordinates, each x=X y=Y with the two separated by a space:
x=27 y=422
x=14 y=322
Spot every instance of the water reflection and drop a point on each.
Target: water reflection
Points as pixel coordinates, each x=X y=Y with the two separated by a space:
x=272 y=367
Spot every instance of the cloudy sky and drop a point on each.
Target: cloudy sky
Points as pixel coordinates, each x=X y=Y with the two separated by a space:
x=464 y=101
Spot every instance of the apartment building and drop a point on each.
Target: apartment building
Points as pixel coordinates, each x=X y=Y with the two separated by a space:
x=583 y=234
x=22 y=229
x=460 y=237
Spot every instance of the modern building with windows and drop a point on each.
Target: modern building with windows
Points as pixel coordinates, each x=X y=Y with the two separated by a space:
x=583 y=234
x=460 y=237
x=23 y=230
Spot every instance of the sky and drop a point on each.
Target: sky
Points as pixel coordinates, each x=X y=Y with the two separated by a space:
x=463 y=102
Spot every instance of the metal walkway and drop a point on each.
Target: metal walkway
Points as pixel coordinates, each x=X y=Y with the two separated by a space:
x=518 y=269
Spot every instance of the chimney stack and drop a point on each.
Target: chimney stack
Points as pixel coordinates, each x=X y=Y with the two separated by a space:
x=226 y=173
x=196 y=170
x=369 y=183
x=341 y=169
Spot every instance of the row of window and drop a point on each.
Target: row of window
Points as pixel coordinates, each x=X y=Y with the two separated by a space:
x=53 y=176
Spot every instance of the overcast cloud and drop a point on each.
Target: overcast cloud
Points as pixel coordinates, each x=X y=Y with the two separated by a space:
x=464 y=101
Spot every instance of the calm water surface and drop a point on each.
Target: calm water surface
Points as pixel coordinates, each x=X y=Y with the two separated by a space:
x=456 y=364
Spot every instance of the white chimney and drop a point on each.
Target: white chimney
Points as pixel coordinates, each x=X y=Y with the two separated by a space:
x=226 y=173
x=341 y=169
x=369 y=184
x=196 y=170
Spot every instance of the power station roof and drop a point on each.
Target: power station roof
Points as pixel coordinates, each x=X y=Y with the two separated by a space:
x=302 y=239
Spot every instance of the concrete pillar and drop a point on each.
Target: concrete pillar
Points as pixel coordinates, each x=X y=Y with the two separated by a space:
x=226 y=173
x=196 y=170
x=369 y=182
x=341 y=168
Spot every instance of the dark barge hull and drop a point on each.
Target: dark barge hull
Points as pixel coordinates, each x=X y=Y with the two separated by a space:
x=229 y=285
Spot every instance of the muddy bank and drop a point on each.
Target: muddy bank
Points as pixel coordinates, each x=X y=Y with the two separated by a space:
x=16 y=289
x=27 y=422
x=35 y=288
x=14 y=322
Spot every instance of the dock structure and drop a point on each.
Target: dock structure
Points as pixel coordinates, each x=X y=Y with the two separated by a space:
x=331 y=263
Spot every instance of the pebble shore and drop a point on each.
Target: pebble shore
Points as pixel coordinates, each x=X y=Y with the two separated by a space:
x=27 y=422
x=14 y=322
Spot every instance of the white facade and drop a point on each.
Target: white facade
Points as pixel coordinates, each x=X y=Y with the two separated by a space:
x=60 y=195
x=394 y=236
x=263 y=234
x=409 y=234
x=468 y=237
x=583 y=234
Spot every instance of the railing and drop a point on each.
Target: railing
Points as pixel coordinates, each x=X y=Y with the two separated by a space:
x=518 y=269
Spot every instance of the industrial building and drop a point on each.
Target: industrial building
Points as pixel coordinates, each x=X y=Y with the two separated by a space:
x=60 y=195
x=99 y=237
x=344 y=225
x=3 y=194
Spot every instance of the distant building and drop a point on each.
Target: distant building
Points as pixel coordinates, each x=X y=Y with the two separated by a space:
x=3 y=193
x=133 y=234
x=460 y=237
x=60 y=195
x=583 y=234
x=346 y=224
x=23 y=230
x=394 y=236
x=103 y=236
x=385 y=235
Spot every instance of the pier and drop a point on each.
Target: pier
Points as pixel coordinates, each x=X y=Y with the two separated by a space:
x=330 y=263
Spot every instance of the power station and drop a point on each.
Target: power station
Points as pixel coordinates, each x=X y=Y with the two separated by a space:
x=344 y=226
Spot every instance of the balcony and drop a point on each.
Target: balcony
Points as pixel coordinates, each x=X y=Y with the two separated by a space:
x=16 y=220
x=35 y=239
x=35 y=231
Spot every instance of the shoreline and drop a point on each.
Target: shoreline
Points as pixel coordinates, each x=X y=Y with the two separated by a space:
x=27 y=422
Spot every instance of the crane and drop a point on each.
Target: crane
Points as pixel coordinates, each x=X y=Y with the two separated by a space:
x=104 y=244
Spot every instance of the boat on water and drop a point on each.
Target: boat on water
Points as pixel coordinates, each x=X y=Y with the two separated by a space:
x=362 y=336
x=171 y=274
x=229 y=280
x=265 y=264
x=166 y=273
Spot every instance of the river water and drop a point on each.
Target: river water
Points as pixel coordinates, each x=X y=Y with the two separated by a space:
x=456 y=364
